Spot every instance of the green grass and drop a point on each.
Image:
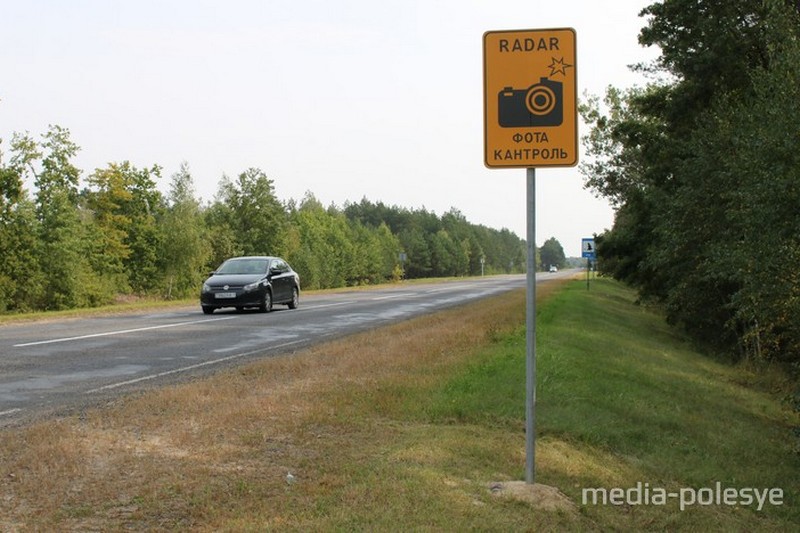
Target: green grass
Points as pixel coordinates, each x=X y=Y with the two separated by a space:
x=622 y=398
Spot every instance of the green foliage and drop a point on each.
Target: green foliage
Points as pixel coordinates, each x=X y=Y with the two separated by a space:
x=111 y=224
x=375 y=253
x=221 y=236
x=324 y=253
x=127 y=206
x=61 y=246
x=20 y=276
x=446 y=246
x=418 y=253
x=184 y=248
x=144 y=238
x=61 y=240
x=552 y=253
x=703 y=168
x=248 y=207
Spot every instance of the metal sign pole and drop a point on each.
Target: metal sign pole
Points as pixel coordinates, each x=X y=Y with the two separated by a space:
x=530 y=338
x=523 y=68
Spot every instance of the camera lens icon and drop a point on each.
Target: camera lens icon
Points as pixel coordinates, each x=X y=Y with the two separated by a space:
x=540 y=105
x=540 y=100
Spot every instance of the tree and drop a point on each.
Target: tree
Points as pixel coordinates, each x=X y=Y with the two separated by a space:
x=127 y=206
x=389 y=246
x=375 y=253
x=185 y=249
x=61 y=249
x=443 y=252
x=552 y=254
x=222 y=239
x=324 y=250
x=106 y=198
x=20 y=275
x=255 y=217
x=418 y=253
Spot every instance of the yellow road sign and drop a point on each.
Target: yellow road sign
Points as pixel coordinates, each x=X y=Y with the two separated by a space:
x=530 y=98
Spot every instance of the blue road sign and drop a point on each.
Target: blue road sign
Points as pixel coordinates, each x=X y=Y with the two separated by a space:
x=587 y=248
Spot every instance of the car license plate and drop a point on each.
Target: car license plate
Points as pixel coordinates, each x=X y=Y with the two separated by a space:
x=225 y=295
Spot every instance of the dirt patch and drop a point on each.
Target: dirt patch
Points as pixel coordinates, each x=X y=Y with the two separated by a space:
x=537 y=495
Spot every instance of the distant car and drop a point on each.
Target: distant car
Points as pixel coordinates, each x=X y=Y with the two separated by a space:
x=553 y=268
x=253 y=281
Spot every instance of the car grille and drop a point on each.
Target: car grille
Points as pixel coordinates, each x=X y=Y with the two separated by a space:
x=230 y=287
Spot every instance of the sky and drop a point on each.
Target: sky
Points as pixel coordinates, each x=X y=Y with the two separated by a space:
x=345 y=99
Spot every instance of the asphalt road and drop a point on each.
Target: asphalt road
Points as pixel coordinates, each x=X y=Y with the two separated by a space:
x=62 y=366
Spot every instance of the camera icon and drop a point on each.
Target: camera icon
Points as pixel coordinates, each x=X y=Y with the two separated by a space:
x=539 y=105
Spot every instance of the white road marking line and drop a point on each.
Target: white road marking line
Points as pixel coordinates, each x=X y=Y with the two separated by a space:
x=187 y=368
x=312 y=307
x=120 y=332
x=390 y=297
x=451 y=288
x=9 y=412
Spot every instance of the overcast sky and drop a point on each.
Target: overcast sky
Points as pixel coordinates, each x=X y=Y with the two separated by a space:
x=345 y=99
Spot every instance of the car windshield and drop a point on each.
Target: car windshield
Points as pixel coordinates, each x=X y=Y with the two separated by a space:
x=243 y=266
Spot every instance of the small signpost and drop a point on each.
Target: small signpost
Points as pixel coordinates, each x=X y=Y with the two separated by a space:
x=588 y=252
x=530 y=120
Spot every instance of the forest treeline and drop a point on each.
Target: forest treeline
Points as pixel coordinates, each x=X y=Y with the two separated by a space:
x=703 y=167
x=68 y=242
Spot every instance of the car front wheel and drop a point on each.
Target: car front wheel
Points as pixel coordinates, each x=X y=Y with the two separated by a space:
x=295 y=301
x=208 y=309
x=266 y=302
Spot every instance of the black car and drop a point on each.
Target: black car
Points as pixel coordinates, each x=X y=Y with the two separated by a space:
x=255 y=281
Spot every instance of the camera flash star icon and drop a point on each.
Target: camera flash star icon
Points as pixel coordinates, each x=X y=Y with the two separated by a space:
x=557 y=66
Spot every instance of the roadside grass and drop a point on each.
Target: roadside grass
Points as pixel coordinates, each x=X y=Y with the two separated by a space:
x=407 y=427
x=138 y=304
x=623 y=399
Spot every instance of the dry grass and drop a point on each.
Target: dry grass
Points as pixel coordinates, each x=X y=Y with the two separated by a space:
x=214 y=454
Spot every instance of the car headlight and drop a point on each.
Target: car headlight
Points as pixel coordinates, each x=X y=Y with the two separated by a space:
x=206 y=287
x=252 y=286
